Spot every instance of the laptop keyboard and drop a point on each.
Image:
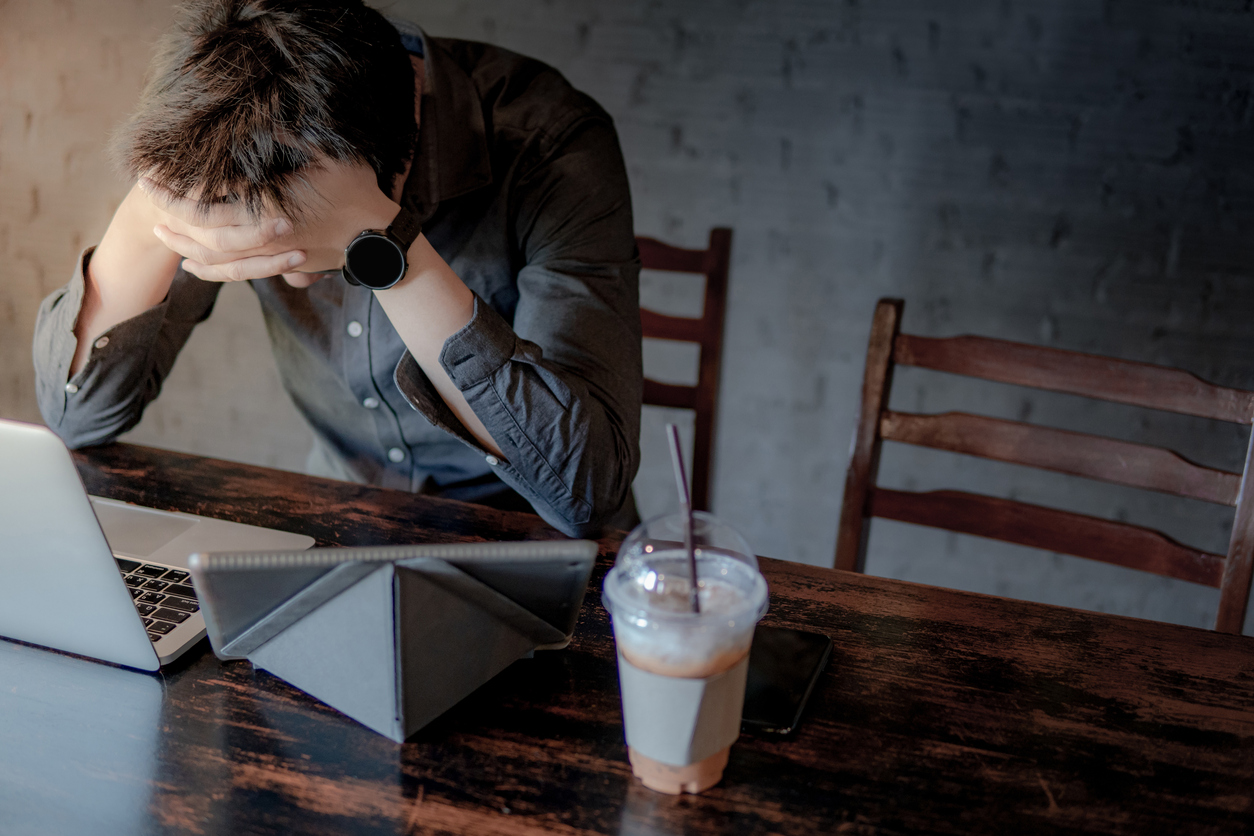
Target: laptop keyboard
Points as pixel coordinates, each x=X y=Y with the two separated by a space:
x=163 y=596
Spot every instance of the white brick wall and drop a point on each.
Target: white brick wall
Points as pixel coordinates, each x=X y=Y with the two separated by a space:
x=1067 y=173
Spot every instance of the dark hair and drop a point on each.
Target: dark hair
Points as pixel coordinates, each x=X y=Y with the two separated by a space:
x=244 y=94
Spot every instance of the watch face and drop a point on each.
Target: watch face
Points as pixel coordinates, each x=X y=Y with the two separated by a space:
x=375 y=261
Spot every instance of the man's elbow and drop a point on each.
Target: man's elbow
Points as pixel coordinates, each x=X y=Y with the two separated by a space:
x=82 y=438
x=599 y=510
x=79 y=431
x=613 y=508
x=594 y=528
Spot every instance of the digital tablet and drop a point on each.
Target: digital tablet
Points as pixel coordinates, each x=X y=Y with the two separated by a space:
x=248 y=597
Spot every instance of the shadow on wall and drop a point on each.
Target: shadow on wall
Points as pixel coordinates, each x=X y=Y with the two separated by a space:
x=1095 y=199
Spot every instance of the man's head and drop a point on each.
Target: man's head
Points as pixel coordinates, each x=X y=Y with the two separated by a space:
x=244 y=94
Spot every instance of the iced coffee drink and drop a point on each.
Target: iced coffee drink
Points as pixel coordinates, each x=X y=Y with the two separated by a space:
x=682 y=673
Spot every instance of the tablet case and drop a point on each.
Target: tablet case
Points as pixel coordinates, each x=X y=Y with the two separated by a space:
x=393 y=637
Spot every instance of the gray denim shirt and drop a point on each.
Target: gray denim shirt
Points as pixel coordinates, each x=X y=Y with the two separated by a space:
x=520 y=185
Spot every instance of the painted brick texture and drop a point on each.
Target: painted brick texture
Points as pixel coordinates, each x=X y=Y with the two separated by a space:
x=1065 y=173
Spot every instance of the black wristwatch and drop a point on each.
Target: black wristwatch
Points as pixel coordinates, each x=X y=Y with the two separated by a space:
x=376 y=258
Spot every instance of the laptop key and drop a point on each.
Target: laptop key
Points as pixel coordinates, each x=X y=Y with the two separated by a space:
x=151 y=598
x=136 y=580
x=148 y=622
x=156 y=586
x=135 y=593
x=181 y=604
x=154 y=637
x=175 y=576
x=161 y=627
x=171 y=615
x=145 y=609
x=182 y=589
x=150 y=571
x=127 y=566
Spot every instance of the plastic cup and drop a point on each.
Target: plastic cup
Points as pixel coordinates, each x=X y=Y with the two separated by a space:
x=682 y=674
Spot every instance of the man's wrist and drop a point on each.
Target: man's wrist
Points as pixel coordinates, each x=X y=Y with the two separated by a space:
x=424 y=266
x=129 y=250
x=136 y=218
x=377 y=258
x=377 y=216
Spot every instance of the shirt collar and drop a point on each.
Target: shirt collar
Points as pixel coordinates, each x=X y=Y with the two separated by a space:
x=451 y=150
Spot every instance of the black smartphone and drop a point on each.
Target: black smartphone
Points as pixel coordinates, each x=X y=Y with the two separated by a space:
x=784 y=665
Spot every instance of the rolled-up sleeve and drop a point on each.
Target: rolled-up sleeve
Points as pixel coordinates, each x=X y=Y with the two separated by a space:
x=126 y=366
x=559 y=388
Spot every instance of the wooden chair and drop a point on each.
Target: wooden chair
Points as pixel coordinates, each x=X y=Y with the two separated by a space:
x=707 y=331
x=1079 y=454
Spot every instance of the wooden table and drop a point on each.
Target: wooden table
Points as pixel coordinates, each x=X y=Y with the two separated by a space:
x=942 y=712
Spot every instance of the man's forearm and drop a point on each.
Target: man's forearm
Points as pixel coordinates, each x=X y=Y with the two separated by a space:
x=129 y=272
x=427 y=307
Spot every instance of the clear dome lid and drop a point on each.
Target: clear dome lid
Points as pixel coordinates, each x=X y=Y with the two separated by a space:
x=651 y=576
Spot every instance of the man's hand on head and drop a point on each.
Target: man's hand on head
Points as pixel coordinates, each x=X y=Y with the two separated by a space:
x=226 y=244
x=223 y=242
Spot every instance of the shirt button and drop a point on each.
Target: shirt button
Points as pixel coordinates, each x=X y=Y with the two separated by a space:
x=71 y=388
x=102 y=342
x=396 y=454
x=354 y=329
x=371 y=403
x=492 y=460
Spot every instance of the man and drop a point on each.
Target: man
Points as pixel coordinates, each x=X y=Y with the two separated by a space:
x=484 y=336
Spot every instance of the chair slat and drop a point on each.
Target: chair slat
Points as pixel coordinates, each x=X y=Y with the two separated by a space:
x=666 y=394
x=1239 y=567
x=864 y=453
x=1047 y=528
x=1063 y=451
x=1104 y=378
x=662 y=327
x=707 y=331
x=655 y=255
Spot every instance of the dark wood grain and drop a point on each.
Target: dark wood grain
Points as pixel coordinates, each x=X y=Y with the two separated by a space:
x=334 y=513
x=669 y=394
x=942 y=712
x=1062 y=451
x=663 y=327
x=1234 y=591
x=864 y=456
x=1048 y=528
x=1090 y=375
x=678 y=259
x=705 y=330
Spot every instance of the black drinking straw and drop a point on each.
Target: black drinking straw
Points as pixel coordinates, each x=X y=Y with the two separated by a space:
x=685 y=508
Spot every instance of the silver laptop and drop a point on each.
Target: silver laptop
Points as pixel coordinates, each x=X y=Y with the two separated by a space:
x=97 y=577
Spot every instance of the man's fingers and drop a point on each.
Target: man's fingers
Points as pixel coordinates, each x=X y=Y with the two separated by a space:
x=231 y=241
x=218 y=246
x=190 y=248
x=246 y=269
x=248 y=236
x=239 y=239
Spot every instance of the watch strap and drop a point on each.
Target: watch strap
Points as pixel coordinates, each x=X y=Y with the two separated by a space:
x=404 y=229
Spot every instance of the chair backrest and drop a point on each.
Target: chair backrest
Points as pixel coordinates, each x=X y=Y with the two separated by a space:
x=1078 y=454
x=707 y=331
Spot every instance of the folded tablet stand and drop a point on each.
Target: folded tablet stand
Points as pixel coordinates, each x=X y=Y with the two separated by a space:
x=393 y=637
